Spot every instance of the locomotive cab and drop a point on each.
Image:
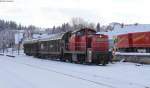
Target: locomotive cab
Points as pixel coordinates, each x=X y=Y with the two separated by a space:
x=81 y=40
x=100 y=48
x=87 y=46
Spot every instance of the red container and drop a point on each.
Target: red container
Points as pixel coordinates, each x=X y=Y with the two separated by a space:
x=124 y=41
x=141 y=39
x=100 y=43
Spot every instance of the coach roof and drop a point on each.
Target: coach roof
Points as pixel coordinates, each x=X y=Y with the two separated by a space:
x=30 y=41
x=52 y=37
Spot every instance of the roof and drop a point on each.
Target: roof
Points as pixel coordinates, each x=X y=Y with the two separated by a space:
x=82 y=29
x=52 y=37
x=30 y=41
x=46 y=38
x=127 y=29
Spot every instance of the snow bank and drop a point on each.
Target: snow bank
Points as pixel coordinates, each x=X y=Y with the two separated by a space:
x=120 y=53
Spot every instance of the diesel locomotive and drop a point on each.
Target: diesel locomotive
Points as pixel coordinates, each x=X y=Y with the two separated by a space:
x=80 y=46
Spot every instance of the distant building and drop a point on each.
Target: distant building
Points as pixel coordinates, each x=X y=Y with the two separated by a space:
x=127 y=28
x=11 y=38
x=7 y=38
x=123 y=29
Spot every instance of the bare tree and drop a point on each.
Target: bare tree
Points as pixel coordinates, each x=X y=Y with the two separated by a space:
x=77 y=23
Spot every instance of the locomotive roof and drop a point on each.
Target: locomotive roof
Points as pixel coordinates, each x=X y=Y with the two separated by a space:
x=83 y=29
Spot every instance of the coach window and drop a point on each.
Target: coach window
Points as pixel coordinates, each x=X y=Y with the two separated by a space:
x=42 y=46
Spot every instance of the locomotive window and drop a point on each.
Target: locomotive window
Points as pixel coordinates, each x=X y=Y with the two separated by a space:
x=80 y=33
x=90 y=32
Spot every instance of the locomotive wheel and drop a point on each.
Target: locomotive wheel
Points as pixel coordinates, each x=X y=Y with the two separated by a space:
x=61 y=55
x=70 y=60
x=104 y=62
x=62 y=59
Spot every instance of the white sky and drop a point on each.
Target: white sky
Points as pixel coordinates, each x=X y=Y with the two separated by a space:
x=46 y=13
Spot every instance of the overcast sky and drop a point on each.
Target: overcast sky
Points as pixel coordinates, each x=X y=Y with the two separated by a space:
x=46 y=13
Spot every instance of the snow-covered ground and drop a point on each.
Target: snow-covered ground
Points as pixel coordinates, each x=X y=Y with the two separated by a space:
x=132 y=53
x=28 y=72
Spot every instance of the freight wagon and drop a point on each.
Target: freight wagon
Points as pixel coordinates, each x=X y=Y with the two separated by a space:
x=133 y=42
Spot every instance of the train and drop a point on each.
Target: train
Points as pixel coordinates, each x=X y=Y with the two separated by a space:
x=133 y=42
x=79 y=46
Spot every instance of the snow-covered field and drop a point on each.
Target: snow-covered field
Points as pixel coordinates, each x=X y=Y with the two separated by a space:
x=29 y=72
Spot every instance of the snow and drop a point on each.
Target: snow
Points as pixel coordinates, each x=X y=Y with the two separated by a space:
x=18 y=37
x=45 y=37
x=52 y=37
x=37 y=36
x=127 y=29
x=132 y=53
x=29 y=72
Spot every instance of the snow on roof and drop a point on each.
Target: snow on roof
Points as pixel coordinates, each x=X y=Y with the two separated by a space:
x=82 y=29
x=52 y=37
x=30 y=41
x=127 y=29
x=45 y=37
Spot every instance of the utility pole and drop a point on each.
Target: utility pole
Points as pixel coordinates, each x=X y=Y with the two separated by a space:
x=12 y=48
x=3 y=46
x=18 y=43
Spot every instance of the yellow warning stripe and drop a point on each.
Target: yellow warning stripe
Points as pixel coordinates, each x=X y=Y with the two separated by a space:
x=138 y=38
x=122 y=39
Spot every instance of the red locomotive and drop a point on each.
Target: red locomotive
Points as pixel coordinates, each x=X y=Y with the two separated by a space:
x=134 y=42
x=81 y=46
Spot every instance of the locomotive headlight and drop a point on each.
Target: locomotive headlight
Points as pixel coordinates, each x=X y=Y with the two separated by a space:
x=100 y=36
